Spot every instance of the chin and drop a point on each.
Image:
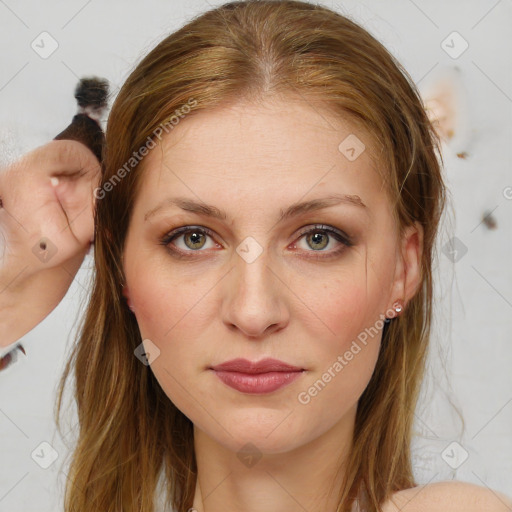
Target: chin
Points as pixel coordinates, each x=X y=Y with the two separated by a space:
x=270 y=431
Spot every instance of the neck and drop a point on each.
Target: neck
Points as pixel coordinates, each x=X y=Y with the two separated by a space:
x=306 y=478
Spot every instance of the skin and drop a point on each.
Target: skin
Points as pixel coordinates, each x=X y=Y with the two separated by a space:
x=33 y=209
x=251 y=161
x=233 y=310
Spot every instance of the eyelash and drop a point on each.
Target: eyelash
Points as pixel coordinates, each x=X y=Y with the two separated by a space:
x=336 y=234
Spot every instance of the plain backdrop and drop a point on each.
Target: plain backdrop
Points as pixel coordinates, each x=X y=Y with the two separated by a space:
x=471 y=358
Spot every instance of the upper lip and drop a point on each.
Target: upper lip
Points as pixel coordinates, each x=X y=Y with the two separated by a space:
x=262 y=366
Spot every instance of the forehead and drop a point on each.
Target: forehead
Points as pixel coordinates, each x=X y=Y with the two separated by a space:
x=275 y=150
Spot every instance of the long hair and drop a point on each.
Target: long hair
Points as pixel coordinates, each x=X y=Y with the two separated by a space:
x=130 y=436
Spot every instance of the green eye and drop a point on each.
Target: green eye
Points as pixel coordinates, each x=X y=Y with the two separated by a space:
x=194 y=240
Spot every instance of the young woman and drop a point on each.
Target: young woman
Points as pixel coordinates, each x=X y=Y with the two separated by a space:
x=261 y=309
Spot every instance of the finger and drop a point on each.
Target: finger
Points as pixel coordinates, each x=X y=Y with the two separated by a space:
x=76 y=199
x=65 y=158
x=75 y=196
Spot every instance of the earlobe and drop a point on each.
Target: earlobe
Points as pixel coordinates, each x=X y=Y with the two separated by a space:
x=126 y=294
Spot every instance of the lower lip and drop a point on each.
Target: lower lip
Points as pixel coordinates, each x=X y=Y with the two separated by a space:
x=257 y=383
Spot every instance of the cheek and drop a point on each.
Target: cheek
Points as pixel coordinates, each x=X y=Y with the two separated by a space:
x=345 y=360
x=351 y=304
x=166 y=303
x=349 y=325
x=352 y=311
x=339 y=301
x=169 y=313
x=175 y=311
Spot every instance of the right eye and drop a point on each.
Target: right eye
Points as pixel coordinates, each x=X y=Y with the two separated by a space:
x=193 y=240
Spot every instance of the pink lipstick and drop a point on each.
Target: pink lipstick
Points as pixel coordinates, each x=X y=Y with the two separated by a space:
x=259 y=377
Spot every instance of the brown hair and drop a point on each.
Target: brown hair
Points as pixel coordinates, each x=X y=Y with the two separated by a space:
x=130 y=434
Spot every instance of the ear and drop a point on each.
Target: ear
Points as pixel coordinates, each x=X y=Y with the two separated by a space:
x=126 y=293
x=408 y=273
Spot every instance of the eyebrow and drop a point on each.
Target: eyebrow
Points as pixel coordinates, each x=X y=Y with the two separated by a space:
x=294 y=210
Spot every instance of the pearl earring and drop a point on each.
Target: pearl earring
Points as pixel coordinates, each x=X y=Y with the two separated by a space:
x=397 y=306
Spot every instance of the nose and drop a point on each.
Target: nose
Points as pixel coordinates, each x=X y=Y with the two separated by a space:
x=254 y=302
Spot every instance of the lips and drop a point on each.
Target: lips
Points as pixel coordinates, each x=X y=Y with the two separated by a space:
x=259 y=377
x=263 y=366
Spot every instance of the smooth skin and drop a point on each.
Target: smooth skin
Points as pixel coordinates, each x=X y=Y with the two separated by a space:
x=34 y=211
x=299 y=301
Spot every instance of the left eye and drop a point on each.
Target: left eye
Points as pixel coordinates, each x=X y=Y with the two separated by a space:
x=194 y=239
x=320 y=236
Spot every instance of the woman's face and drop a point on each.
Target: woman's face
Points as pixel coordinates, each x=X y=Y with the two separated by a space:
x=248 y=283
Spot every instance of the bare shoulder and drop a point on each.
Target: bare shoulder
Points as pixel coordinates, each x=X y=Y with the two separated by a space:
x=448 y=496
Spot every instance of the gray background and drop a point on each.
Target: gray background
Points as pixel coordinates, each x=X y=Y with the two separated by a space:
x=471 y=347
